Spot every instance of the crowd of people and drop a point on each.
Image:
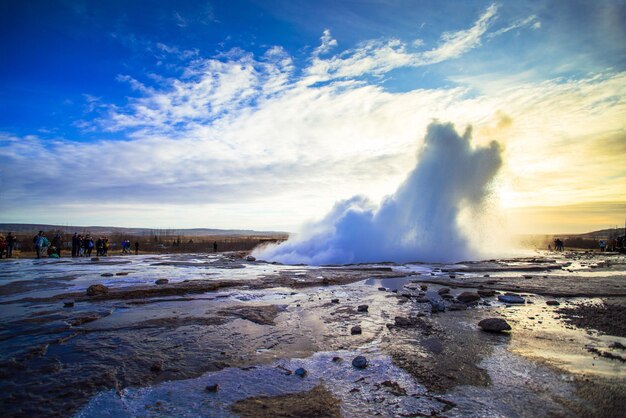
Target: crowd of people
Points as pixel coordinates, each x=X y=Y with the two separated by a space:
x=82 y=245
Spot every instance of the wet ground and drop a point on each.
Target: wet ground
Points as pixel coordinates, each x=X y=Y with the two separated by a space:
x=230 y=337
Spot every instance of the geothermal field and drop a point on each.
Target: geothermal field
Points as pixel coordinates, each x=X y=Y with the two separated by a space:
x=226 y=335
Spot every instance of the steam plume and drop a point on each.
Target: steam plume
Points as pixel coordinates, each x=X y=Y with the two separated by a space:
x=419 y=222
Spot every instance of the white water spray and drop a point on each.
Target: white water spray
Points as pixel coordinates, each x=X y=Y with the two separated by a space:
x=419 y=222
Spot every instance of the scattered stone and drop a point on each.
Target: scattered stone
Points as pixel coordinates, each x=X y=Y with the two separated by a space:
x=161 y=281
x=250 y=258
x=355 y=330
x=95 y=259
x=394 y=388
x=406 y=295
x=362 y=308
x=337 y=359
x=325 y=281
x=511 y=298
x=486 y=293
x=401 y=321
x=334 y=301
x=618 y=345
x=528 y=276
x=485 y=275
x=552 y=303
x=382 y=289
x=396 y=291
x=107 y=275
x=423 y=287
x=212 y=388
x=355 y=390
x=156 y=367
x=422 y=300
x=301 y=372
x=122 y=273
x=458 y=307
x=436 y=306
x=468 y=297
x=447 y=296
x=359 y=362
x=68 y=304
x=494 y=325
x=452 y=276
x=97 y=289
x=444 y=290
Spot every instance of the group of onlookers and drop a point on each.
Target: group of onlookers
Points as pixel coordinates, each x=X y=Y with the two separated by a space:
x=82 y=245
x=7 y=245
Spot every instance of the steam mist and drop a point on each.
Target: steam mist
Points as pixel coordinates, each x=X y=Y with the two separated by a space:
x=419 y=222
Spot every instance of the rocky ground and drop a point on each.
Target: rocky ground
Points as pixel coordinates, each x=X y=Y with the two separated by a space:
x=221 y=335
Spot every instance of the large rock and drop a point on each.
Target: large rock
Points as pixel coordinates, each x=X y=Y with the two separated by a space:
x=468 y=297
x=511 y=298
x=359 y=362
x=494 y=325
x=486 y=293
x=97 y=289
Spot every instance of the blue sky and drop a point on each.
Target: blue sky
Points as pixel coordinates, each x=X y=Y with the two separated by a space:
x=261 y=114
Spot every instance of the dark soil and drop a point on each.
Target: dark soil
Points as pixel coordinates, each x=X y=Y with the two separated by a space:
x=608 y=319
x=318 y=402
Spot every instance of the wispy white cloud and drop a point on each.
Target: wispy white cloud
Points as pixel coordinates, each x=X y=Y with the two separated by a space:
x=238 y=131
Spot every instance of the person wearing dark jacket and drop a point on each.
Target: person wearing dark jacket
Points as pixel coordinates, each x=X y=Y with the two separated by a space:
x=75 y=244
x=11 y=241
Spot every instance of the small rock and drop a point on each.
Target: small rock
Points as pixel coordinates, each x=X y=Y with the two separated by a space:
x=337 y=359
x=468 y=297
x=362 y=308
x=406 y=295
x=355 y=390
x=250 y=258
x=486 y=293
x=106 y=274
x=97 y=289
x=485 y=275
x=382 y=289
x=422 y=300
x=494 y=325
x=458 y=307
x=423 y=287
x=552 y=303
x=395 y=291
x=447 y=296
x=401 y=321
x=68 y=304
x=528 y=276
x=452 y=276
x=618 y=345
x=301 y=372
x=359 y=362
x=334 y=301
x=510 y=298
x=436 y=306
x=156 y=367
x=161 y=281
x=212 y=388
x=355 y=330
x=325 y=281
x=444 y=290
x=122 y=273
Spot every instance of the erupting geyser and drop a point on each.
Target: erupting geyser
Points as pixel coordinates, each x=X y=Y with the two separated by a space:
x=419 y=222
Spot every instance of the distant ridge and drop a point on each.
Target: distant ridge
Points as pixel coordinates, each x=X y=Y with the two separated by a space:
x=107 y=230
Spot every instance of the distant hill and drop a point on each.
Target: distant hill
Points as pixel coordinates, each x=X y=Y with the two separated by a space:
x=108 y=230
x=601 y=234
